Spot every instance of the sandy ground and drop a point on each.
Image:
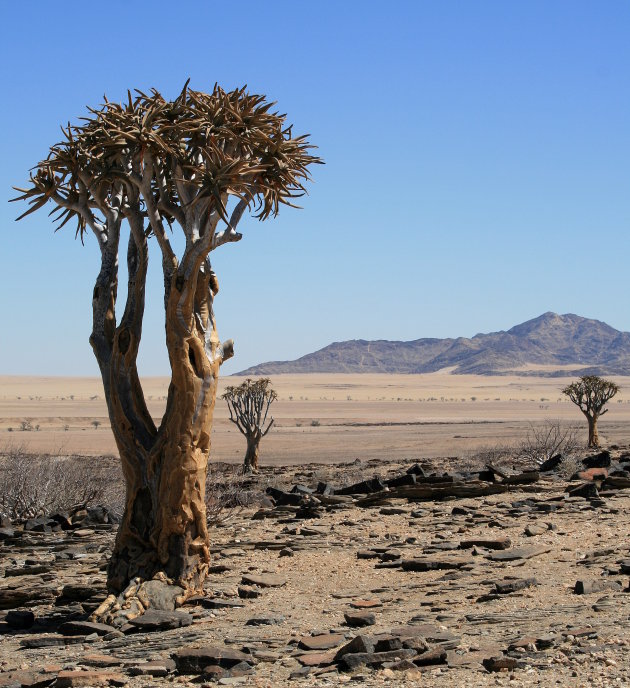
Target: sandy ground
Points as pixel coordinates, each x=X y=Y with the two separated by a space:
x=320 y=418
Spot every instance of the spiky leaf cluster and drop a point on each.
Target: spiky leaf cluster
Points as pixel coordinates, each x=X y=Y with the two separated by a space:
x=591 y=393
x=190 y=154
x=249 y=404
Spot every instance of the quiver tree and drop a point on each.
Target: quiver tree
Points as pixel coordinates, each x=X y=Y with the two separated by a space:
x=249 y=406
x=196 y=163
x=590 y=394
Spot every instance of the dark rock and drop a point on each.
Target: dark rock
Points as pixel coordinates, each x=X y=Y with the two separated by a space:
x=26 y=679
x=388 y=643
x=416 y=469
x=189 y=660
x=352 y=661
x=361 y=644
x=435 y=656
x=544 y=642
x=551 y=463
x=286 y=552
x=601 y=460
x=399 y=481
x=430 y=564
x=215 y=602
x=509 y=586
x=84 y=628
x=283 y=498
x=78 y=592
x=587 y=490
x=367 y=554
x=160 y=596
x=585 y=587
x=301 y=489
x=359 y=619
x=19 y=619
x=265 y=620
x=160 y=620
x=325 y=489
x=41 y=524
x=496 y=543
x=7 y=533
x=364 y=487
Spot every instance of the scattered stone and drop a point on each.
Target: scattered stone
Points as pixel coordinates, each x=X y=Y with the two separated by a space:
x=84 y=628
x=366 y=604
x=601 y=460
x=509 y=586
x=435 y=656
x=492 y=664
x=268 y=580
x=359 y=619
x=519 y=553
x=159 y=620
x=20 y=619
x=430 y=564
x=246 y=592
x=194 y=660
x=586 y=587
x=324 y=641
x=532 y=531
x=353 y=661
x=265 y=620
x=496 y=543
x=88 y=679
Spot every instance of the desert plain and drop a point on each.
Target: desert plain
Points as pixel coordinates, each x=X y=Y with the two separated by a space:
x=472 y=583
x=321 y=418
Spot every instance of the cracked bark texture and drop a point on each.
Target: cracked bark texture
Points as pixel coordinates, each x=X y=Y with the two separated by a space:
x=139 y=166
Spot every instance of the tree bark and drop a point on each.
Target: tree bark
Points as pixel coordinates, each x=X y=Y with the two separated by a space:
x=593 y=436
x=250 y=463
x=164 y=530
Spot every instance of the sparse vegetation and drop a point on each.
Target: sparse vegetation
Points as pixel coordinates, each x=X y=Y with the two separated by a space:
x=249 y=406
x=591 y=394
x=33 y=484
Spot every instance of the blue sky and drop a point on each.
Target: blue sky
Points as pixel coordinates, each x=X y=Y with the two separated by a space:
x=476 y=167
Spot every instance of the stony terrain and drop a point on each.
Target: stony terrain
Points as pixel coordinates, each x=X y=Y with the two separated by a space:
x=525 y=584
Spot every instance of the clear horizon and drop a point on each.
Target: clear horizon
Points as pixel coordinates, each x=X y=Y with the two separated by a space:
x=475 y=178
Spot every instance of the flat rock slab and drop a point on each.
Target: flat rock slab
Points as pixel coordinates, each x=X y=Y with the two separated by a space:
x=358 y=619
x=423 y=564
x=157 y=620
x=353 y=661
x=518 y=553
x=25 y=679
x=267 y=580
x=325 y=641
x=88 y=679
x=85 y=628
x=586 y=587
x=315 y=659
x=495 y=543
x=366 y=604
x=193 y=660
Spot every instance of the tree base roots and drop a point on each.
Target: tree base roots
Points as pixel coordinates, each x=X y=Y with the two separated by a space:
x=160 y=593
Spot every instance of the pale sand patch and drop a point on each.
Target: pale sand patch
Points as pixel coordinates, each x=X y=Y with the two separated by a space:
x=359 y=416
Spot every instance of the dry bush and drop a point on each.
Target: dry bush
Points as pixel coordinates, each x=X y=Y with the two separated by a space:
x=550 y=438
x=228 y=490
x=34 y=485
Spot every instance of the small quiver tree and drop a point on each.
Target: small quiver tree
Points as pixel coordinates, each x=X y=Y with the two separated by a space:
x=590 y=394
x=197 y=163
x=249 y=405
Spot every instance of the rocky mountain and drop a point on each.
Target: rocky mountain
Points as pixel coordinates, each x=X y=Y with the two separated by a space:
x=593 y=347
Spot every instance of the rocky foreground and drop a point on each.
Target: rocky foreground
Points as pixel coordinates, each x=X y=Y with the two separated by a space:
x=393 y=573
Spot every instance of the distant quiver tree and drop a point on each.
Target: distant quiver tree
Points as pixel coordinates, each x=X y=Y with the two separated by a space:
x=590 y=394
x=249 y=405
x=198 y=163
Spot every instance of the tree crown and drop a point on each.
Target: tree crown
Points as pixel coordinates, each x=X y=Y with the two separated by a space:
x=591 y=393
x=249 y=404
x=176 y=160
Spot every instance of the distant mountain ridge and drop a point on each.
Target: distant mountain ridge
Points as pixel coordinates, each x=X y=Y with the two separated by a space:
x=592 y=346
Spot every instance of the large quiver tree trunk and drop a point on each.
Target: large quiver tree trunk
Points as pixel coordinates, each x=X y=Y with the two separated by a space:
x=593 y=435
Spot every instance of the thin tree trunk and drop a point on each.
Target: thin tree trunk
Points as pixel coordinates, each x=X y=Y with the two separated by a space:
x=251 y=455
x=593 y=436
